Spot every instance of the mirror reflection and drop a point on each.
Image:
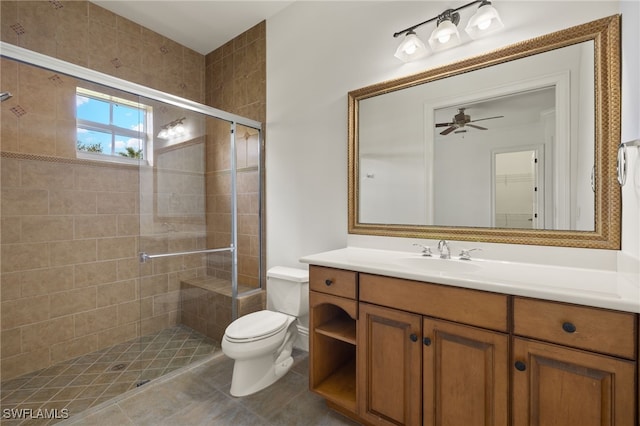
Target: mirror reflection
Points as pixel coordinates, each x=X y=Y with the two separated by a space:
x=517 y=146
x=508 y=146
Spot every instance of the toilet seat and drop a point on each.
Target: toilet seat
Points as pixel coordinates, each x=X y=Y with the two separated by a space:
x=256 y=326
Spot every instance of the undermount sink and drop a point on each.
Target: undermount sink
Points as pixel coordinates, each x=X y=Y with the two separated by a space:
x=435 y=264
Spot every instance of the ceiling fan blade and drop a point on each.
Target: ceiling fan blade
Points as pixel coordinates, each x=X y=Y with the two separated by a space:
x=477 y=127
x=488 y=118
x=443 y=124
x=447 y=131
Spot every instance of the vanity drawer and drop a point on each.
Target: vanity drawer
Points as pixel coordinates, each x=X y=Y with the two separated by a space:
x=473 y=307
x=594 y=329
x=333 y=281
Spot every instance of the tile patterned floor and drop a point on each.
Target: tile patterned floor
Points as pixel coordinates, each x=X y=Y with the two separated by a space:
x=90 y=380
x=199 y=395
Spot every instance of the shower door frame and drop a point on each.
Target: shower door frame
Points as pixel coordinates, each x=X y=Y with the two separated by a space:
x=30 y=57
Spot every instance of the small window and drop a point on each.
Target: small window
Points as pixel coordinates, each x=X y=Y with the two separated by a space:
x=111 y=126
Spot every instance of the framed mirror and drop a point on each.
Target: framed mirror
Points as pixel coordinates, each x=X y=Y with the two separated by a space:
x=514 y=146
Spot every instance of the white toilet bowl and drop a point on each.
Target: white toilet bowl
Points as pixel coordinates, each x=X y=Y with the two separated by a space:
x=261 y=342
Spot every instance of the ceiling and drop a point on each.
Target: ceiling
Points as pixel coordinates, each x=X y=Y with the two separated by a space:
x=202 y=25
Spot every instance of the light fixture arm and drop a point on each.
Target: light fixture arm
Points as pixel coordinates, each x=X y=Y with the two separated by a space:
x=451 y=13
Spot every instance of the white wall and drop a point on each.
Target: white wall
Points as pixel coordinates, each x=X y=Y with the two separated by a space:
x=319 y=51
x=629 y=259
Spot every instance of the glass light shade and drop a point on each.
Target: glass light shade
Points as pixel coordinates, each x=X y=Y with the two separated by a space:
x=485 y=21
x=444 y=36
x=163 y=134
x=411 y=48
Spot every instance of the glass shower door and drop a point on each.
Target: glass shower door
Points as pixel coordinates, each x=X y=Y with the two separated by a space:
x=187 y=243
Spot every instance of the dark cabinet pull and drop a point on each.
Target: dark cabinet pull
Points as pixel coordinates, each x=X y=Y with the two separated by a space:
x=426 y=341
x=328 y=282
x=413 y=337
x=520 y=366
x=568 y=327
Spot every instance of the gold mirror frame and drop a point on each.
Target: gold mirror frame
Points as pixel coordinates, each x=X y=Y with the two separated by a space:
x=605 y=33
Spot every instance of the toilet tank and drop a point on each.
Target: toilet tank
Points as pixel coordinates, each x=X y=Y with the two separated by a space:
x=288 y=290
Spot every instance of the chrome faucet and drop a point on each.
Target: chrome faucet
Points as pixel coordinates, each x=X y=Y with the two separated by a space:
x=426 y=251
x=443 y=248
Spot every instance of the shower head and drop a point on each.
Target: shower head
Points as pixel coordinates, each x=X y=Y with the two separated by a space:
x=4 y=96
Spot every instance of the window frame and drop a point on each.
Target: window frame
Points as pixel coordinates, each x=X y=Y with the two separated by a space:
x=143 y=135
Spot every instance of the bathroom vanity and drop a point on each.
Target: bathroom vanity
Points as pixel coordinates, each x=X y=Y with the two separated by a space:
x=398 y=338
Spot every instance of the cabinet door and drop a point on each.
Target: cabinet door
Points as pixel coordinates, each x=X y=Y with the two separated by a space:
x=389 y=366
x=558 y=386
x=465 y=375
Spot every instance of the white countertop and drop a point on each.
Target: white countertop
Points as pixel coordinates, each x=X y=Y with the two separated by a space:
x=590 y=287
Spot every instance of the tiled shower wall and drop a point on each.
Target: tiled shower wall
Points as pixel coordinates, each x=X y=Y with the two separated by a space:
x=235 y=81
x=71 y=228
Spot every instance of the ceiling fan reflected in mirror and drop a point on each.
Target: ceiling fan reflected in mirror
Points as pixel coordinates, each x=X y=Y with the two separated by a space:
x=460 y=120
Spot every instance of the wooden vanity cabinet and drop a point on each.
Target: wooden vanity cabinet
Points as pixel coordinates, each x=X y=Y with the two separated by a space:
x=389 y=366
x=573 y=365
x=402 y=352
x=416 y=369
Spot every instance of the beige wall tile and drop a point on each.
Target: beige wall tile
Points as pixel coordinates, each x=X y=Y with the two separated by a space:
x=72 y=202
x=40 y=174
x=11 y=227
x=24 y=363
x=129 y=312
x=118 y=292
x=46 y=228
x=166 y=302
x=72 y=301
x=20 y=257
x=99 y=226
x=17 y=202
x=128 y=224
x=11 y=342
x=35 y=135
x=117 y=202
x=88 y=274
x=116 y=335
x=117 y=248
x=94 y=321
x=153 y=324
x=73 y=348
x=10 y=287
x=132 y=268
x=46 y=333
x=27 y=310
x=9 y=167
x=153 y=285
x=46 y=281
x=71 y=252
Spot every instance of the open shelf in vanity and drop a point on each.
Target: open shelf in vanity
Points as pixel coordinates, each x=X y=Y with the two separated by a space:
x=333 y=314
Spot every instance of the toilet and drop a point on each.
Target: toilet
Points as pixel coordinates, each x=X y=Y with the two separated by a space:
x=261 y=343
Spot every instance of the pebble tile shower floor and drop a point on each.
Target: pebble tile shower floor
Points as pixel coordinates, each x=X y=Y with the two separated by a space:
x=80 y=383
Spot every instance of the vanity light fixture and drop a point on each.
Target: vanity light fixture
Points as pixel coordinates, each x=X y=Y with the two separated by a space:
x=486 y=20
x=173 y=129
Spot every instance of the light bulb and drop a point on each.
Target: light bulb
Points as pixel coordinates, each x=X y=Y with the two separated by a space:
x=179 y=129
x=444 y=38
x=483 y=25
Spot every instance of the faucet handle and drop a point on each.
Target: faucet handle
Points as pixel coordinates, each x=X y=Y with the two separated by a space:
x=465 y=253
x=426 y=250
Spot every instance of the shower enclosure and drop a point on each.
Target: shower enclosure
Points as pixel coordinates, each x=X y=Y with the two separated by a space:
x=131 y=231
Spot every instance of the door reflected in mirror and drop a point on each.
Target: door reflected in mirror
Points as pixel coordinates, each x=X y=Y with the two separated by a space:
x=517 y=198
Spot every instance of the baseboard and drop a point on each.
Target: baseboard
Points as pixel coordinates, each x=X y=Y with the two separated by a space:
x=302 y=342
